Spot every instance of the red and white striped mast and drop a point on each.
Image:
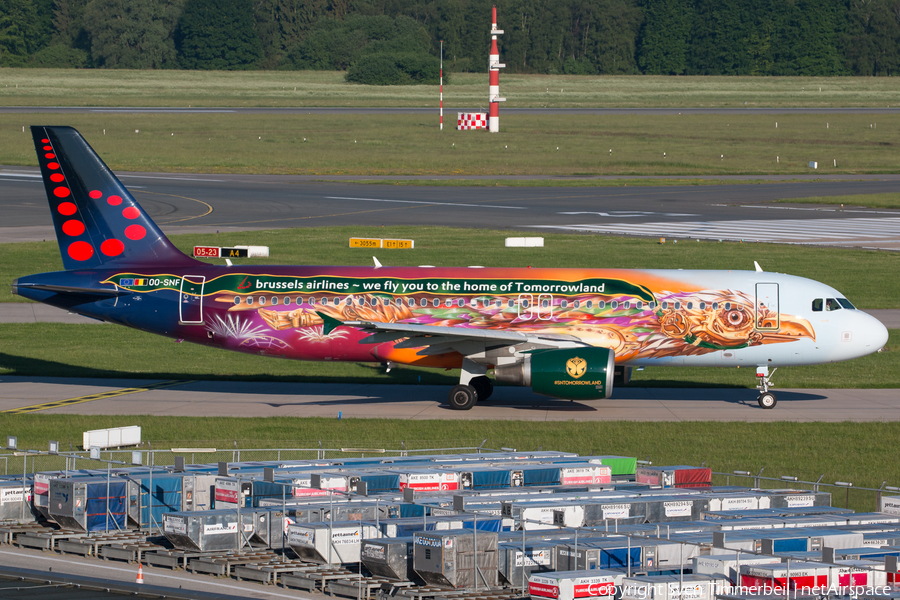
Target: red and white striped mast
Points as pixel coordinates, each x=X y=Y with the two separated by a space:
x=494 y=67
x=442 y=85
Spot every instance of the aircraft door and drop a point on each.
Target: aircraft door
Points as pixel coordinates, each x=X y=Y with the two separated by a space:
x=525 y=307
x=768 y=317
x=545 y=307
x=190 y=300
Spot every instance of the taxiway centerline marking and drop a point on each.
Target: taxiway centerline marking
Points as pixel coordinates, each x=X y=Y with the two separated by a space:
x=91 y=397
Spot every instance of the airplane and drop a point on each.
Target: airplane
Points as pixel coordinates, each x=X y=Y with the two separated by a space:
x=565 y=333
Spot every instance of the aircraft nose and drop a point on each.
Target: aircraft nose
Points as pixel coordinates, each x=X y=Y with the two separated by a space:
x=873 y=335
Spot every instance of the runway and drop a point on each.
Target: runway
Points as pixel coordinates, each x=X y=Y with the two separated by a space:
x=209 y=203
x=351 y=401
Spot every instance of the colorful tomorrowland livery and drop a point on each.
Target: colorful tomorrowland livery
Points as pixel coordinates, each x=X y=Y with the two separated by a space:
x=566 y=333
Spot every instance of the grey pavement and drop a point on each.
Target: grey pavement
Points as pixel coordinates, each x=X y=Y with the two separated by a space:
x=156 y=581
x=420 y=402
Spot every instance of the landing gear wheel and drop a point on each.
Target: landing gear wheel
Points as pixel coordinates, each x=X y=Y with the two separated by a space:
x=767 y=400
x=462 y=397
x=484 y=387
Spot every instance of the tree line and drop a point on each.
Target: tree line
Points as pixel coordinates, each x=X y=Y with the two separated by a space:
x=398 y=40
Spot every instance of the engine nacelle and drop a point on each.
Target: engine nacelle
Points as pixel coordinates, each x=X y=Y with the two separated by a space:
x=569 y=373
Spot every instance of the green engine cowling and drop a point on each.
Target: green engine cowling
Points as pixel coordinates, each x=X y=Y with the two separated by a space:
x=568 y=373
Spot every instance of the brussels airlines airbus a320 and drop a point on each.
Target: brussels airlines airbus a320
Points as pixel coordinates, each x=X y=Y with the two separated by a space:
x=563 y=332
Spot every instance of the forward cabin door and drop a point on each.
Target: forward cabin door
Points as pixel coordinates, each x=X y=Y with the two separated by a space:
x=190 y=300
x=768 y=316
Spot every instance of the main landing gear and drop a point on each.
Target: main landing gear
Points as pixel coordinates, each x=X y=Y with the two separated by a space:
x=766 y=398
x=474 y=386
x=464 y=397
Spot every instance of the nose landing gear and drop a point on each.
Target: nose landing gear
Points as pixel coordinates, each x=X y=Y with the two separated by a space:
x=766 y=398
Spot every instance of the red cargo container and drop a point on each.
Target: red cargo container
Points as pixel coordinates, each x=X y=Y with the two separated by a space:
x=680 y=476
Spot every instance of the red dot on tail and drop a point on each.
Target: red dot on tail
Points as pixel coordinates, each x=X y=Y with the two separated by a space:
x=56 y=177
x=95 y=194
x=53 y=165
x=48 y=148
x=81 y=250
x=131 y=213
x=112 y=247
x=135 y=232
x=66 y=208
x=49 y=155
x=61 y=192
x=73 y=227
x=114 y=200
x=45 y=141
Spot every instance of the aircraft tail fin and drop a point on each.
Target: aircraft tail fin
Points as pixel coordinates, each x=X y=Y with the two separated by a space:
x=98 y=223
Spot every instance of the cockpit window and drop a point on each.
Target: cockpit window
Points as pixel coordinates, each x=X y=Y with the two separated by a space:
x=846 y=303
x=832 y=304
x=817 y=305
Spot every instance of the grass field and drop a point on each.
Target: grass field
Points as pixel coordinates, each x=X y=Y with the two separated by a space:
x=859 y=453
x=849 y=270
x=114 y=87
x=550 y=145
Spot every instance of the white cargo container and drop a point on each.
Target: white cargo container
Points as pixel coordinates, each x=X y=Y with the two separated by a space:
x=569 y=585
x=325 y=543
x=541 y=516
x=726 y=563
x=114 y=437
x=889 y=505
x=429 y=481
x=328 y=482
x=674 y=587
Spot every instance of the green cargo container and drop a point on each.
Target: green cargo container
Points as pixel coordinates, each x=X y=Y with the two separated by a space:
x=620 y=465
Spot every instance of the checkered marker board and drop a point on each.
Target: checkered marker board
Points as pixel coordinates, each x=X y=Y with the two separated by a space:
x=465 y=121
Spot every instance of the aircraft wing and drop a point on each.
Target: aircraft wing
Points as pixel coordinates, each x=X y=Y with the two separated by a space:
x=441 y=339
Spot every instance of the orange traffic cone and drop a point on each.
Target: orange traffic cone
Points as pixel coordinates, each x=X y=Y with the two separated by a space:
x=140 y=576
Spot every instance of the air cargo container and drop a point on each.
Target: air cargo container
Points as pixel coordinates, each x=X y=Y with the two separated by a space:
x=514 y=566
x=251 y=492
x=621 y=466
x=89 y=503
x=448 y=558
x=725 y=563
x=330 y=543
x=889 y=505
x=429 y=480
x=587 y=555
x=773 y=513
x=41 y=492
x=584 y=474
x=675 y=477
x=571 y=585
x=859 y=574
x=738 y=501
x=864 y=553
x=798 y=575
x=15 y=501
x=540 y=515
x=667 y=509
x=327 y=482
x=876 y=518
x=797 y=498
x=391 y=558
x=147 y=505
x=673 y=587
x=269 y=528
x=476 y=477
x=198 y=491
x=209 y=530
x=395 y=528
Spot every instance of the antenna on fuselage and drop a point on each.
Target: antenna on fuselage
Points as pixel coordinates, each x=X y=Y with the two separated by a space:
x=377 y=264
x=758 y=268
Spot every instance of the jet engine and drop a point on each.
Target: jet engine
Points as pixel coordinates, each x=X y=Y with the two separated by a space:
x=569 y=373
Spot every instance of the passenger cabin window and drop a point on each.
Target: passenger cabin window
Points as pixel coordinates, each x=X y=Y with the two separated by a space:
x=237 y=299
x=509 y=304
x=564 y=303
x=690 y=306
x=249 y=299
x=703 y=306
x=589 y=304
x=715 y=306
x=262 y=300
x=412 y=302
x=626 y=305
x=576 y=304
x=460 y=303
x=614 y=305
x=639 y=305
x=398 y=301
x=602 y=304
x=728 y=306
x=678 y=306
x=665 y=305
x=274 y=300
x=436 y=303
